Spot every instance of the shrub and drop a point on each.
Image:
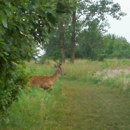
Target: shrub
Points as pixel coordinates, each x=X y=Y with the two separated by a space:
x=15 y=78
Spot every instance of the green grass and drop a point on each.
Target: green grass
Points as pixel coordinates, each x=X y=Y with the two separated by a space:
x=35 y=109
x=94 y=107
x=87 y=98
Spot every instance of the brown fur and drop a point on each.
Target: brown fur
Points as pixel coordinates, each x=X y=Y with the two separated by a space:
x=46 y=82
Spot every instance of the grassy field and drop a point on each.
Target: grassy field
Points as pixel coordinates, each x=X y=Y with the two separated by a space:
x=92 y=96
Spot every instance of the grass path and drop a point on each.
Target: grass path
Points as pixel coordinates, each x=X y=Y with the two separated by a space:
x=91 y=107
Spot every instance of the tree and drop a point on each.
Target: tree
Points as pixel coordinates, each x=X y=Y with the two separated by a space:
x=89 y=11
x=116 y=46
x=73 y=37
x=61 y=41
x=89 y=15
x=91 y=41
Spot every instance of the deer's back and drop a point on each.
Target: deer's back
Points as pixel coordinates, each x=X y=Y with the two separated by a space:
x=40 y=81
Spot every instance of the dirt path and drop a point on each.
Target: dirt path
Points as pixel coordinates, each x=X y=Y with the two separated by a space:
x=90 y=107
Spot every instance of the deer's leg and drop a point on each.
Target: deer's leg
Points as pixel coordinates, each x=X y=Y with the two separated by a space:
x=50 y=88
x=46 y=86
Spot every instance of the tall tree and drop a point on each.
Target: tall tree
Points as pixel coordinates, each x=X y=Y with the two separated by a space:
x=89 y=10
x=72 y=56
x=61 y=41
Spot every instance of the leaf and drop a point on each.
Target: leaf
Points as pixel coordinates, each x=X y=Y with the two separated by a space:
x=2 y=30
x=4 y=19
x=4 y=46
x=3 y=57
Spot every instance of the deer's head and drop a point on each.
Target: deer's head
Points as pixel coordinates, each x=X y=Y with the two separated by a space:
x=59 y=70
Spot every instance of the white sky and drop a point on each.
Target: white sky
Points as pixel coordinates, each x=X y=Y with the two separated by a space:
x=121 y=27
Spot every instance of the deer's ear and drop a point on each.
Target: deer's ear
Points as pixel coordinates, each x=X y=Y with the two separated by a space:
x=60 y=64
x=55 y=66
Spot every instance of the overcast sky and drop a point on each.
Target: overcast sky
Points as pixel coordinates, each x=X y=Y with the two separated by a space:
x=121 y=27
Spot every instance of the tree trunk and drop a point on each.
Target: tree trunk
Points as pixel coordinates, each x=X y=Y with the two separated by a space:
x=72 y=56
x=61 y=41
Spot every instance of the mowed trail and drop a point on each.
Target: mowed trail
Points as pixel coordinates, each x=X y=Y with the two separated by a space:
x=92 y=107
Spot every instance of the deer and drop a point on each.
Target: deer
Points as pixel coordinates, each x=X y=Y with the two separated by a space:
x=46 y=82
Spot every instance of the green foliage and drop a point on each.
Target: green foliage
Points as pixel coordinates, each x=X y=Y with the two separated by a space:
x=116 y=46
x=62 y=7
x=91 y=42
x=13 y=79
x=52 y=48
x=23 y=26
x=87 y=43
x=93 y=45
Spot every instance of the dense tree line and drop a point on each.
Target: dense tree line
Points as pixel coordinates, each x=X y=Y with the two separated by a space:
x=108 y=46
x=91 y=45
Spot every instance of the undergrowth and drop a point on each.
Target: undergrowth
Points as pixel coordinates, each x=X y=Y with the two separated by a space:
x=34 y=109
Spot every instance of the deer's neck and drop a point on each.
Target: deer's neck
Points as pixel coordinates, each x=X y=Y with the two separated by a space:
x=55 y=76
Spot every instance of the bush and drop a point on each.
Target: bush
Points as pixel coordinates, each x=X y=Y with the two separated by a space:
x=15 y=78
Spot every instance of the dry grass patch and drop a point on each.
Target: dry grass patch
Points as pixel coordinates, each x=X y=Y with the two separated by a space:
x=116 y=78
x=111 y=73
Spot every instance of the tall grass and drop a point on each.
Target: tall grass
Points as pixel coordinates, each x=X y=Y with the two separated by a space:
x=96 y=72
x=35 y=108
x=81 y=70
